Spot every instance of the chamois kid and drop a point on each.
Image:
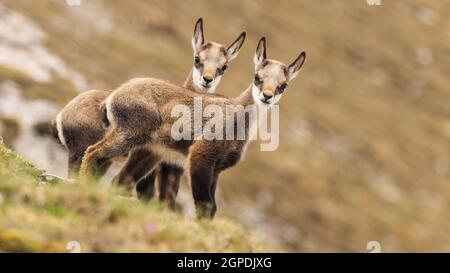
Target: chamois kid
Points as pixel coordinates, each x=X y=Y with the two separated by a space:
x=82 y=121
x=140 y=113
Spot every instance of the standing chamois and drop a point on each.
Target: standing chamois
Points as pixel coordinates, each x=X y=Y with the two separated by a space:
x=82 y=121
x=141 y=116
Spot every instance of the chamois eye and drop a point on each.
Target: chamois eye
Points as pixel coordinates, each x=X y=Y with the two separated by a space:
x=221 y=70
x=197 y=60
x=282 y=87
x=224 y=67
x=257 y=80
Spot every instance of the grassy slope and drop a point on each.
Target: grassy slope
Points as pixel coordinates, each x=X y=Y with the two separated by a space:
x=365 y=135
x=40 y=217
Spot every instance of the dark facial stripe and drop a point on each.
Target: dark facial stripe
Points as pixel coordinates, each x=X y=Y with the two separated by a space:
x=223 y=50
x=286 y=72
x=206 y=46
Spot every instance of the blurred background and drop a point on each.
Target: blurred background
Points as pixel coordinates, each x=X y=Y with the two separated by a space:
x=364 y=153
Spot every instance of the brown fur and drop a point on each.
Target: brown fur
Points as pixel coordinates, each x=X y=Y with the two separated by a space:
x=84 y=123
x=141 y=111
x=140 y=116
x=211 y=60
x=46 y=128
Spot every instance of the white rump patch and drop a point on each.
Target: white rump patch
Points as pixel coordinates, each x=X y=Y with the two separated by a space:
x=60 y=129
x=108 y=104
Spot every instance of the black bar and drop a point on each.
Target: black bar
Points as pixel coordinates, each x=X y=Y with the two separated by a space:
x=226 y=262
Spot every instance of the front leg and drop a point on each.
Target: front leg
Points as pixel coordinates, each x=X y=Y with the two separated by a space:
x=213 y=192
x=201 y=174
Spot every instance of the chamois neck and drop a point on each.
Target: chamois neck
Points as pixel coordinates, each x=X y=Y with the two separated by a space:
x=189 y=82
x=245 y=98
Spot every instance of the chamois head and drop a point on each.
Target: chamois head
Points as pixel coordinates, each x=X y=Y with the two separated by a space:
x=272 y=77
x=211 y=59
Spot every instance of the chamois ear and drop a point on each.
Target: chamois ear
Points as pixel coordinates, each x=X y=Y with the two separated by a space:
x=198 y=39
x=233 y=49
x=260 y=54
x=296 y=65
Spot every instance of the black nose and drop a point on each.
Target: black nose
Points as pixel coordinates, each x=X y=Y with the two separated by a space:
x=267 y=96
x=207 y=79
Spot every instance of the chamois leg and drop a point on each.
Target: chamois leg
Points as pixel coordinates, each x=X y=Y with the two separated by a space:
x=103 y=167
x=146 y=186
x=140 y=162
x=99 y=155
x=213 y=192
x=169 y=182
x=74 y=164
x=201 y=176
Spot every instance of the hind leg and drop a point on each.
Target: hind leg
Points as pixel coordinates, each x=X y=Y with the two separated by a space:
x=169 y=182
x=103 y=168
x=74 y=164
x=146 y=187
x=100 y=154
x=140 y=162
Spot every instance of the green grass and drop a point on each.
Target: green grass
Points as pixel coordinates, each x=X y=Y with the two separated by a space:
x=41 y=217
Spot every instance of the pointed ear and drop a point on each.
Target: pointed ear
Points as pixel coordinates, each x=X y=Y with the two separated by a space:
x=233 y=49
x=296 y=65
x=198 y=39
x=260 y=54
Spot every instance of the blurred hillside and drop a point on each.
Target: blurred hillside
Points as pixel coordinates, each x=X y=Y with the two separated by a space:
x=38 y=216
x=365 y=129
